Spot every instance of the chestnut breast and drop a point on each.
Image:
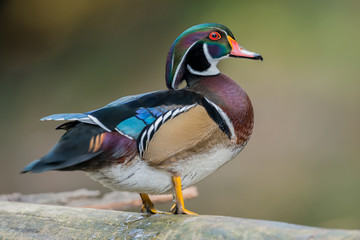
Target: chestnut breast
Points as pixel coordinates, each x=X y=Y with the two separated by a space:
x=232 y=99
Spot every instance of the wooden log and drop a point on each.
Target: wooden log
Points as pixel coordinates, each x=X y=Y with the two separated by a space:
x=36 y=221
x=94 y=199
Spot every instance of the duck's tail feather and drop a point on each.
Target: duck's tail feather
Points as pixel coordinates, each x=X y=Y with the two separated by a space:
x=81 y=142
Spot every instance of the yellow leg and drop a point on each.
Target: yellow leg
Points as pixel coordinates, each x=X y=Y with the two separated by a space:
x=179 y=208
x=148 y=206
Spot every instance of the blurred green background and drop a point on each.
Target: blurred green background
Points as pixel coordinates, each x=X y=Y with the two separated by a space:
x=302 y=163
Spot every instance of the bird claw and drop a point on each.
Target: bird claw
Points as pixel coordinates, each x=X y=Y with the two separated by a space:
x=151 y=210
x=174 y=210
x=188 y=212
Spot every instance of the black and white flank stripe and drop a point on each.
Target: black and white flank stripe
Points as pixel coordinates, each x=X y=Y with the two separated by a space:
x=148 y=133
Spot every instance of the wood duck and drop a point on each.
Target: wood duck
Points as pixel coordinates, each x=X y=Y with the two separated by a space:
x=161 y=142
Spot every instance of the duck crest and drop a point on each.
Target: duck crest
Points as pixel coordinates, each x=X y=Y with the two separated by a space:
x=195 y=37
x=198 y=50
x=175 y=62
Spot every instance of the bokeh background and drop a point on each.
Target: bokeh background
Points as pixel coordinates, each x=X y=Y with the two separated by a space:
x=302 y=163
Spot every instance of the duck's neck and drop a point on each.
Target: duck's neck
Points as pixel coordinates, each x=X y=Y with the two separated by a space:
x=231 y=98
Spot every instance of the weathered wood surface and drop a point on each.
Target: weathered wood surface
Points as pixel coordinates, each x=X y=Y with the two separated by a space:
x=94 y=199
x=36 y=221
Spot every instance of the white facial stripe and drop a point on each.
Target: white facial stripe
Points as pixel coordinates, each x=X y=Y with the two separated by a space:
x=179 y=65
x=209 y=72
x=212 y=70
x=209 y=58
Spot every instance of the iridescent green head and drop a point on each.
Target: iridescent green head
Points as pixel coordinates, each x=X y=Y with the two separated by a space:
x=198 y=50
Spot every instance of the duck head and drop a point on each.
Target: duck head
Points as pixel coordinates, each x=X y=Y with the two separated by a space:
x=198 y=50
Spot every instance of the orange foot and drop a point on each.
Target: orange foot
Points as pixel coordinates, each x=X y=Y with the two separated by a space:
x=174 y=210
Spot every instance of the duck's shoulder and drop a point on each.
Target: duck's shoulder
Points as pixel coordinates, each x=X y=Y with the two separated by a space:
x=130 y=115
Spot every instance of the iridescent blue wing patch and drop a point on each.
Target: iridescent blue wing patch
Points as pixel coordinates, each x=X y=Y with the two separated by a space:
x=133 y=126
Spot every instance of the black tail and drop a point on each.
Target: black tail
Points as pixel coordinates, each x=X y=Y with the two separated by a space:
x=72 y=149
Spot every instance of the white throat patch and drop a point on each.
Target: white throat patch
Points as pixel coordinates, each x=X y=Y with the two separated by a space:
x=212 y=70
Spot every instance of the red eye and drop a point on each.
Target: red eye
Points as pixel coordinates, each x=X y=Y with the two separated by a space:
x=214 y=36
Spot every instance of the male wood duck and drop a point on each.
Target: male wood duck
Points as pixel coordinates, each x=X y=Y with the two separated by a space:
x=161 y=142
